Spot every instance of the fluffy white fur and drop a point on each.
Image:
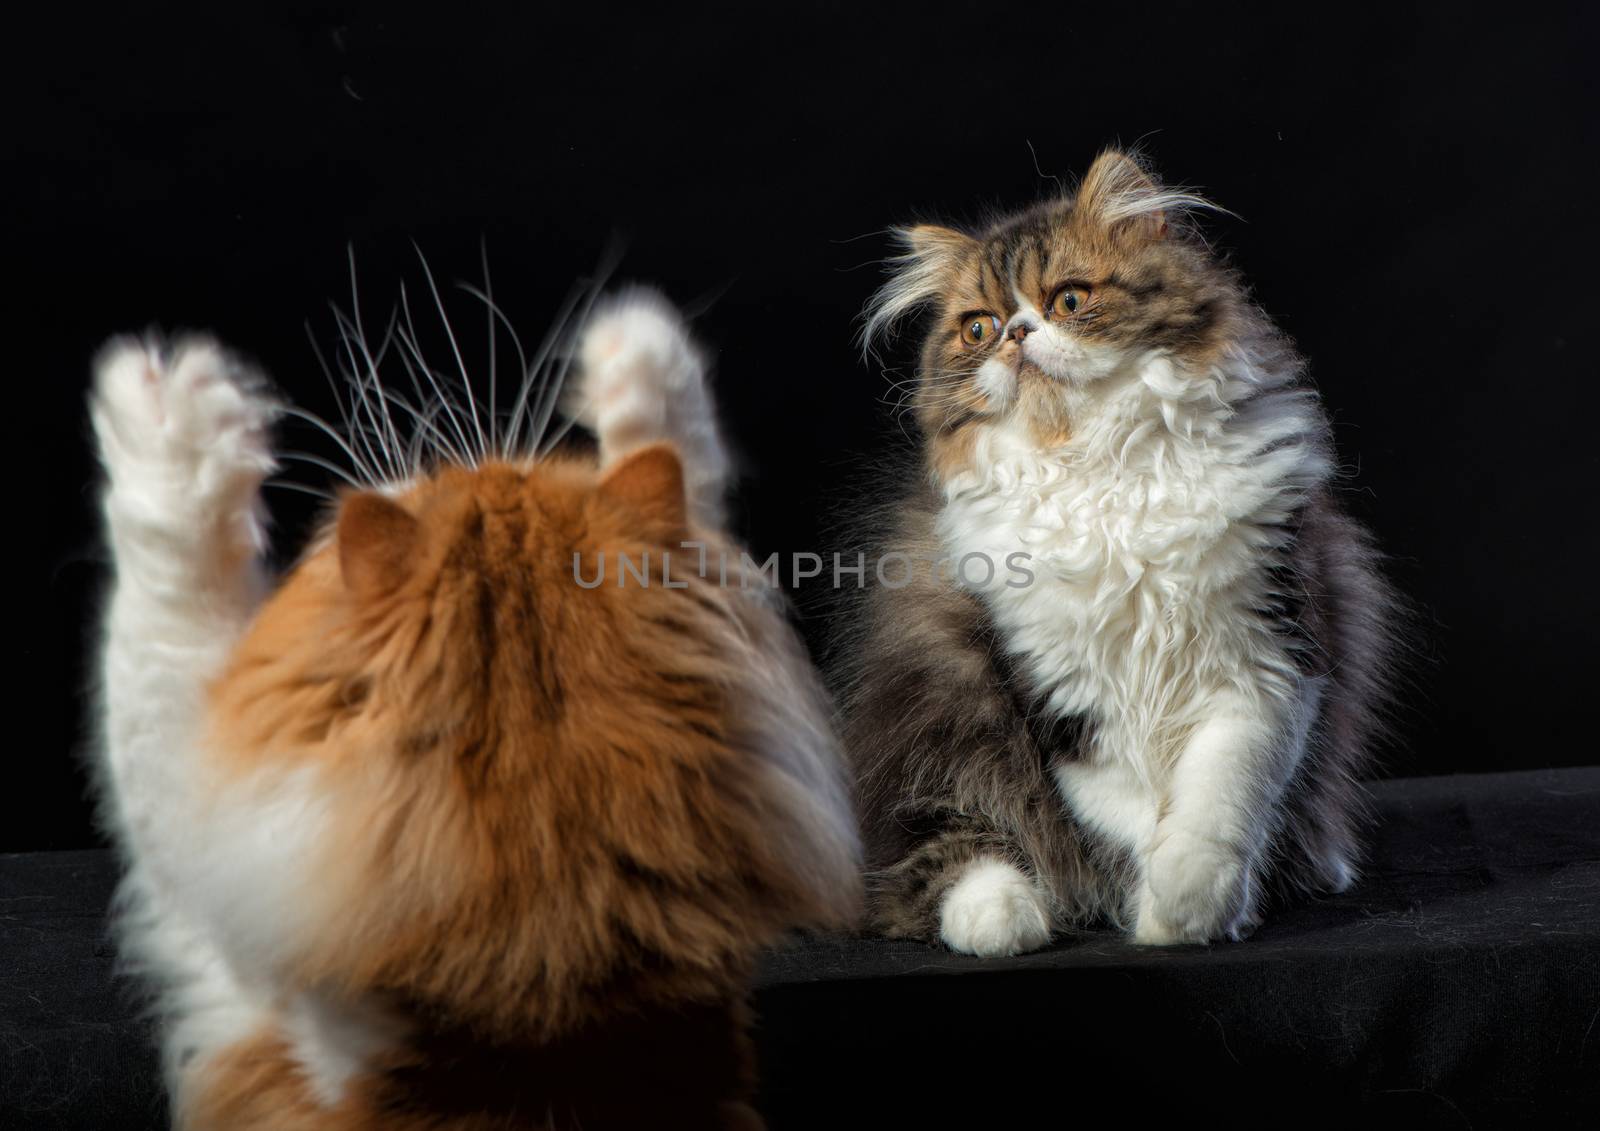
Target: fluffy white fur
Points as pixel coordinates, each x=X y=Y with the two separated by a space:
x=216 y=894
x=183 y=437
x=222 y=885
x=1147 y=531
x=644 y=380
x=993 y=910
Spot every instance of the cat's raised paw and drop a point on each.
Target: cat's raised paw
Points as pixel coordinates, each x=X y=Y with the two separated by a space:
x=993 y=910
x=636 y=356
x=183 y=431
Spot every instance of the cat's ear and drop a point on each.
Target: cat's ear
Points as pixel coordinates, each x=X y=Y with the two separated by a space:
x=377 y=542
x=1121 y=192
x=649 y=482
x=928 y=264
x=935 y=244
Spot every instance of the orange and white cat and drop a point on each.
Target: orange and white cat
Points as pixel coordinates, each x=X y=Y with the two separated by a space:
x=425 y=835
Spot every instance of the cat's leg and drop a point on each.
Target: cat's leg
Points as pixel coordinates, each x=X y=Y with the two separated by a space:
x=644 y=381
x=967 y=840
x=964 y=884
x=994 y=908
x=201 y=1005
x=183 y=437
x=1199 y=876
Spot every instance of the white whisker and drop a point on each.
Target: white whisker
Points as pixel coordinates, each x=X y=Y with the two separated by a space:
x=384 y=435
x=326 y=428
x=449 y=332
x=391 y=438
x=290 y=485
x=488 y=300
x=505 y=436
x=356 y=380
x=324 y=464
x=364 y=469
x=534 y=374
x=550 y=395
x=408 y=338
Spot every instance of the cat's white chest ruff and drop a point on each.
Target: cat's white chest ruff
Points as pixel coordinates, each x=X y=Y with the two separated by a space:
x=1090 y=624
x=1143 y=549
x=1119 y=561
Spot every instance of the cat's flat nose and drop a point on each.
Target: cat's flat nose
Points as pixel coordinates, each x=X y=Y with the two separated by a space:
x=1021 y=325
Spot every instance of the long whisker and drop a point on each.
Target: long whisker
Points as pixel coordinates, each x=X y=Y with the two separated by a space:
x=361 y=466
x=608 y=265
x=324 y=464
x=357 y=379
x=548 y=443
x=386 y=436
x=505 y=437
x=488 y=300
x=466 y=383
x=426 y=430
x=533 y=375
x=327 y=429
x=392 y=438
x=290 y=485
x=408 y=338
x=442 y=442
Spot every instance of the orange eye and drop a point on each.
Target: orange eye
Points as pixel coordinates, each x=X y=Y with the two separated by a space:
x=1069 y=300
x=979 y=328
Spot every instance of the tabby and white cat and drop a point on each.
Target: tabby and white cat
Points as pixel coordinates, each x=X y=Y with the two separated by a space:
x=1143 y=685
x=426 y=835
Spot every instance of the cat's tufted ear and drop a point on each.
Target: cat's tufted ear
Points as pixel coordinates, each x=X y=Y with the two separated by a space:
x=930 y=259
x=936 y=245
x=1121 y=192
x=377 y=542
x=649 y=482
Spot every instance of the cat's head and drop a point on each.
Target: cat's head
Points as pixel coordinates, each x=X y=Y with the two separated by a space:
x=545 y=798
x=1063 y=295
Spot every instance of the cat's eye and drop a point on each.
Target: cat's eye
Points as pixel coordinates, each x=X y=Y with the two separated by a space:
x=979 y=328
x=1069 y=300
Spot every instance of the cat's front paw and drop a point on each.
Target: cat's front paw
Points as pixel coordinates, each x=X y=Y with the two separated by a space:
x=636 y=359
x=1195 y=890
x=993 y=910
x=184 y=437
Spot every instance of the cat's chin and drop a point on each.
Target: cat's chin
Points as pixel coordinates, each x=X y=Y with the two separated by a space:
x=1074 y=376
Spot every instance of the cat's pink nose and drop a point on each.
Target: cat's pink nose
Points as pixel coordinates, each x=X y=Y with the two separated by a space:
x=1021 y=325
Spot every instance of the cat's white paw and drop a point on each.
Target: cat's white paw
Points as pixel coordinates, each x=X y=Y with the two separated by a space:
x=1195 y=890
x=643 y=380
x=993 y=910
x=184 y=436
x=636 y=359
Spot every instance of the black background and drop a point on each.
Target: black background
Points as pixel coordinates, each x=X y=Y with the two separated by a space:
x=1415 y=193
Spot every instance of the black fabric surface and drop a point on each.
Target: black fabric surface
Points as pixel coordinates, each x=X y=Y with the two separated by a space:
x=1457 y=986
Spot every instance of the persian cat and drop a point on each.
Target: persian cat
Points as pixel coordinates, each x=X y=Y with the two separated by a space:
x=424 y=834
x=1139 y=682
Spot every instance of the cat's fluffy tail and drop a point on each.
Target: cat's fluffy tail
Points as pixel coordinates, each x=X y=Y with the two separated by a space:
x=643 y=380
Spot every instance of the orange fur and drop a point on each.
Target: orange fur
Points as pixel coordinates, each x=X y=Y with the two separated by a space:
x=552 y=815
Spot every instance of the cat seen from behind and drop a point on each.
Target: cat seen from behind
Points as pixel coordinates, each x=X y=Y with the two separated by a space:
x=426 y=834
